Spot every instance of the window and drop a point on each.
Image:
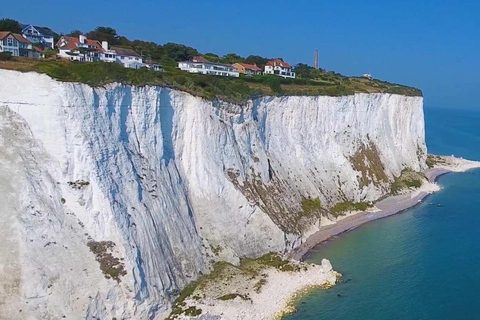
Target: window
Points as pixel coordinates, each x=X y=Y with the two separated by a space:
x=10 y=42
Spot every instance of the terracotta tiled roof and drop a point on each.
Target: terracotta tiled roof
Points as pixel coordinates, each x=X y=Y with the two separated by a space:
x=250 y=66
x=19 y=37
x=278 y=62
x=72 y=43
x=199 y=59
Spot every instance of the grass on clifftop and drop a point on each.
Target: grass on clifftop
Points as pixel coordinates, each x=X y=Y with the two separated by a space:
x=206 y=86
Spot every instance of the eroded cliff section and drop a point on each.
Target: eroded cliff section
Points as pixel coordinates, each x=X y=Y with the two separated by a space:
x=146 y=187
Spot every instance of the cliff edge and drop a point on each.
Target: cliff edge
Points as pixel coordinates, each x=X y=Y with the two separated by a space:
x=119 y=196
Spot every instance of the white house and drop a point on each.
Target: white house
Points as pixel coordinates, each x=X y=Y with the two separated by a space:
x=79 y=48
x=16 y=44
x=37 y=34
x=87 y=50
x=128 y=58
x=279 y=68
x=154 y=67
x=201 y=65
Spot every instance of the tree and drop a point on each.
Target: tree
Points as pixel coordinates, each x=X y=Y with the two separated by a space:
x=232 y=58
x=258 y=60
x=5 y=56
x=178 y=52
x=303 y=70
x=10 y=25
x=74 y=33
x=149 y=50
x=49 y=53
x=104 y=34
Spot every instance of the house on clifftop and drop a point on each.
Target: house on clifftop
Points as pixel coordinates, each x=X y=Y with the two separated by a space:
x=201 y=65
x=247 y=69
x=128 y=58
x=87 y=50
x=38 y=35
x=279 y=68
x=79 y=49
x=16 y=44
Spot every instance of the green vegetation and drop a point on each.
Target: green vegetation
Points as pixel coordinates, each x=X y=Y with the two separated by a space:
x=258 y=286
x=178 y=306
x=311 y=205
x=192 y=312
x=10 y=25
x=432 y=160
x=274 y=260
x=309 y=81
x=110 y=266
x=407 y=179
x=207 y=86
x=367 y=161
x=5 y=56
x=224 y=273
x=342 y=207
x=232 y=296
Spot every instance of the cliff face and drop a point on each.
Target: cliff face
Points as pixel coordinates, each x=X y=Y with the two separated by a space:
x=160 y=184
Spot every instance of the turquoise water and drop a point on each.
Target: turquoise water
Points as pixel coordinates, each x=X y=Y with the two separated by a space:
x=421 y=264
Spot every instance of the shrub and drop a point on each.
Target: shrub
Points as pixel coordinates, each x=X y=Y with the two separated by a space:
x=311 y=205
x=5 y=56
x=407 y=179
x=342 y=207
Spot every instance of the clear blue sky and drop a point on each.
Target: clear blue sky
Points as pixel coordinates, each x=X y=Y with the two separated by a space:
x=433 y=45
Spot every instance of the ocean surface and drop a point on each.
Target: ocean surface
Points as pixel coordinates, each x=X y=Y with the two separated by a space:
x=421 y=264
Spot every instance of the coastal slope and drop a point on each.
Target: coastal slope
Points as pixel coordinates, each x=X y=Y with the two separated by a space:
x=148 y=187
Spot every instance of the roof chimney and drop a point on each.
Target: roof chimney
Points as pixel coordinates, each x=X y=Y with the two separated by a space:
x=82 y=38
x=105 y=45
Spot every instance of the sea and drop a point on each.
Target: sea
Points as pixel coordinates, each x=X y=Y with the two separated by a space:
x=423 y=263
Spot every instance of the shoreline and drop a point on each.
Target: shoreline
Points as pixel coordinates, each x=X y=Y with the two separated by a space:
x=267 y=294
x=270 y=293
x=387 y=207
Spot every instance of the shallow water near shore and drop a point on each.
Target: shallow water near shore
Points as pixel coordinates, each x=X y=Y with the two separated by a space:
x=422 y=263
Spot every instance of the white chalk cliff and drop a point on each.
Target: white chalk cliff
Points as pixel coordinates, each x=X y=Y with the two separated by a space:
x=174 y=182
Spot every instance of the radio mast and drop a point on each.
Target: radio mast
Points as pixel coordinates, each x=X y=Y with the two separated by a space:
x=315 y=59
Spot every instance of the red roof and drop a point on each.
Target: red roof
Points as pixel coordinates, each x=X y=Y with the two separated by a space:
x=250 y=66
x=278 y=62
x=199 y=59
x=19 y=37
x=73 y=42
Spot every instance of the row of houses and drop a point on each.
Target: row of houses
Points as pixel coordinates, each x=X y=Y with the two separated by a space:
x=19 y=46
x=34 y=40
x=82 y=49
x=30 y=43
x=201 y=65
